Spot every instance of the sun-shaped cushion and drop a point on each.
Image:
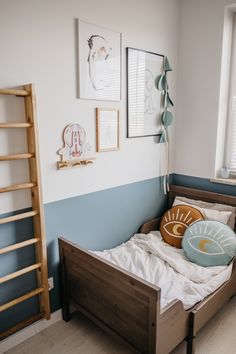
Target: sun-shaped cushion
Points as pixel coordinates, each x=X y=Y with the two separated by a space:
x=175 y=221
x=209 y=243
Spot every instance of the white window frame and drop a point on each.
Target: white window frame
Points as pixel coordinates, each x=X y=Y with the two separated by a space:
x=230 y=137
x=225 y=172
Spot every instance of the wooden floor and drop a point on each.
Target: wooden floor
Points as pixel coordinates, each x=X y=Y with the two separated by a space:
x=80 y=336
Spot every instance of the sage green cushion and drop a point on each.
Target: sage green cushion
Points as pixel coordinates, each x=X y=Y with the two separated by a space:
x=209 y=243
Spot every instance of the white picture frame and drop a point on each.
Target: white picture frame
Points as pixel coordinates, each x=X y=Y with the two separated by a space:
x=99 y=62
x=107 y=129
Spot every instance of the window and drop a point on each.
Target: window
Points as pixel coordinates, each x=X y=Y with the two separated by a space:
x=230 y=141
x=225 y=162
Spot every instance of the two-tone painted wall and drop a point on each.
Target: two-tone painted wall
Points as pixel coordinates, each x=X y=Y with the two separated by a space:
x=97 y=206
x=102 y=205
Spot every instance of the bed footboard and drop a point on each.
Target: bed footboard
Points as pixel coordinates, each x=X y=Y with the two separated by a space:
x=119 y=302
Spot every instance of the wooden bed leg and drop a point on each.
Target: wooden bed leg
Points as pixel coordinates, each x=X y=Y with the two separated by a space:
x=190 y=345
x=191 y=336
x=66 y=315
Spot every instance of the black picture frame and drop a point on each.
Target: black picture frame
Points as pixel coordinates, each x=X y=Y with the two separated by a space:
x=144 y=100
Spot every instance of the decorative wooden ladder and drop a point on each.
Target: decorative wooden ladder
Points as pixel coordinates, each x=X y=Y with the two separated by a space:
x=27 y=92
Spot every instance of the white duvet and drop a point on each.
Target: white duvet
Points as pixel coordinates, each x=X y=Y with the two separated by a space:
x=150 y=258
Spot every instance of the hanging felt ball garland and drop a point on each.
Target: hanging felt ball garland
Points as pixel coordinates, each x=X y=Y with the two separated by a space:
x=162 y=85
x=166 y=115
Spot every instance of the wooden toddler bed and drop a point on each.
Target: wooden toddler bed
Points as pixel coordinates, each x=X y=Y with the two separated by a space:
x=129 y=307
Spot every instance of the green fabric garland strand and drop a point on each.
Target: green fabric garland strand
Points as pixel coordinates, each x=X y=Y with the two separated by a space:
x=162 y=85
x=166 y=116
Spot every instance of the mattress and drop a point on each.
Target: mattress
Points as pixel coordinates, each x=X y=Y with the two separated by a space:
x=150 y=258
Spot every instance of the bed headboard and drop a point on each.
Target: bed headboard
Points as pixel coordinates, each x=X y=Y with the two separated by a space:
x=192 y=193
x=200 y=194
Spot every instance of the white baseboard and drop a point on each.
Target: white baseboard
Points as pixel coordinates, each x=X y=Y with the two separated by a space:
x=29 y=331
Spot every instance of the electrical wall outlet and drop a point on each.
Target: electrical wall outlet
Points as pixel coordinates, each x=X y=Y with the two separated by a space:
x=50 y=283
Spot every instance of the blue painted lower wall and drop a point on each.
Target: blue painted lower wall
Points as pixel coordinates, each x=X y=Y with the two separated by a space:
x=11 y=233
x=95 y=221
x=203 y=183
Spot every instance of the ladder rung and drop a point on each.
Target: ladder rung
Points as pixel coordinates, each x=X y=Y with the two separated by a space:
x=28 y=214
x=16 y=187
x=14 y=92
x=21 y=325
x=20 y=272
x=16 y=157
x=15 y=125
x=21 y=299
x=18 y=245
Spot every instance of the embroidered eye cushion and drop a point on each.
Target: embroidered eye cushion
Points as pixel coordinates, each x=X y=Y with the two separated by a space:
x=209 y=243
x=175 y=221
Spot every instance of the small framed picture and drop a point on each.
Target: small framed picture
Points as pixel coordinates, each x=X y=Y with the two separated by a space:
x=107 y=124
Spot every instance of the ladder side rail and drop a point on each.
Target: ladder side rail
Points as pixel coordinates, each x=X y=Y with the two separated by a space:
x=39 y=228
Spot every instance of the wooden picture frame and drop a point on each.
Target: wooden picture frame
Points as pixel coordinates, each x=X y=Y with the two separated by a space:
x=107 y=129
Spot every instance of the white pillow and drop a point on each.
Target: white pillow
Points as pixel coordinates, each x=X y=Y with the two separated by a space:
x=208 y=214
x=214 y=206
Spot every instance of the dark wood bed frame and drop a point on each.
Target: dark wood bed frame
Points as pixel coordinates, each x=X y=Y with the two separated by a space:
x=129 y=307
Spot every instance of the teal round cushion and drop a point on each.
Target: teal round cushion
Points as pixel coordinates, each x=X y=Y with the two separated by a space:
x=209 y=243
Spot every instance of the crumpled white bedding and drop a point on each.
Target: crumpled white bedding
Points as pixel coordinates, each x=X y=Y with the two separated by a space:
x=150 y=258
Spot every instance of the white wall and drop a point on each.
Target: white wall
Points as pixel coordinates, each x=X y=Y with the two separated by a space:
x=38 y=45
x=199 y=74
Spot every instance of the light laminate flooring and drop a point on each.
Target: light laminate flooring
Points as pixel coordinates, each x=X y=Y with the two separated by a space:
x=80 y=336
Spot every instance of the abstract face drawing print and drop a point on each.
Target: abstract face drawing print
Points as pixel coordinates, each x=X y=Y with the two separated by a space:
x=99 y=62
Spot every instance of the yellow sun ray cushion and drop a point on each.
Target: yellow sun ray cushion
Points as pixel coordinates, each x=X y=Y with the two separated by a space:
x=175 y=221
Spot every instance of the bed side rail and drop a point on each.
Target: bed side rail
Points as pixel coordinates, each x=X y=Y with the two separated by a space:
x=150 y=225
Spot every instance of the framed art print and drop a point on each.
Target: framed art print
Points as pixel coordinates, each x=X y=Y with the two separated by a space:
x=99 y=62
x=107 y=124
x=144 y=102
